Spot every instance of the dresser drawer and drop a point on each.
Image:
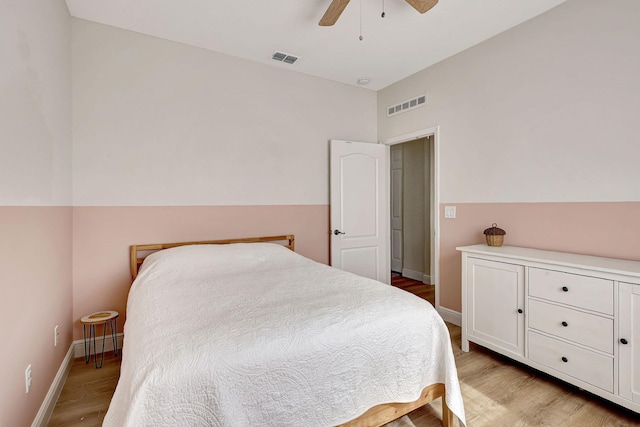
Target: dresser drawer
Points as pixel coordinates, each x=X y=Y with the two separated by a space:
x=583 y=328
x=585 y=365
x=589 y=293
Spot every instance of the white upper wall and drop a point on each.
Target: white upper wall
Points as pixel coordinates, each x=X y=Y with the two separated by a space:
x=35 y=103
x=161 y=123
x=545 y=112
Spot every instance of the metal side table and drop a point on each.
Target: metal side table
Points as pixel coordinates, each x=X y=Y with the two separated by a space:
x=105 y=318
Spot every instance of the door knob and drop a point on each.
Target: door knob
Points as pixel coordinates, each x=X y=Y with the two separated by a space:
x=336 y=232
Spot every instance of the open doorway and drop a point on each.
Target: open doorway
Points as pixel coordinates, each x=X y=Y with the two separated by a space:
x=413 y=192
x=410 y=215
x=410 y=209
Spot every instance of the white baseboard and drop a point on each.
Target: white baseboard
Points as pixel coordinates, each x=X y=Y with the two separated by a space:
x=417 y=275
x=50 y=400
x=450 y=316
x=78 y=345
x=411 y=274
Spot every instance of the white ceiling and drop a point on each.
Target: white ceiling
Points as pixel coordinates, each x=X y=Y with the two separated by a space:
x=393 y=47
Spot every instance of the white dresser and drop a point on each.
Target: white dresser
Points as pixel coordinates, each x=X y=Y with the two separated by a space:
x=575 y=317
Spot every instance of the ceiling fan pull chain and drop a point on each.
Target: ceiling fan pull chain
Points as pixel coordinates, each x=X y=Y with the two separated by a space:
x=360 y=38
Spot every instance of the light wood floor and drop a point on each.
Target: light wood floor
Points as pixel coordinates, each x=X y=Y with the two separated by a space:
x=497 y=391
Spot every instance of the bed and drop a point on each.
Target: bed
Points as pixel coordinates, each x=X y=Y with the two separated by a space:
x=246 y=332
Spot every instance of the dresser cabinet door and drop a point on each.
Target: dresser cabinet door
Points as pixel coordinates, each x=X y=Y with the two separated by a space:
x=495 y=304
x=629 y=342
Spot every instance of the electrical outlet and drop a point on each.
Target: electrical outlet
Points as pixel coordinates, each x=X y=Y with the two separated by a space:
x=27 y=377
x=56 y=334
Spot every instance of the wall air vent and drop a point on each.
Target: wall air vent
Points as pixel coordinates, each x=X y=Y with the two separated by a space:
x=284 y=57
x=404 y=106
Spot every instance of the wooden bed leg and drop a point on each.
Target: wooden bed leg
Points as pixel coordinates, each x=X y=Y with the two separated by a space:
x=447 y=415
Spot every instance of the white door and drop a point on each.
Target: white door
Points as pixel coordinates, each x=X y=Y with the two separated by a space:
x=629 y=341
x=396 y=207
x=359 y=208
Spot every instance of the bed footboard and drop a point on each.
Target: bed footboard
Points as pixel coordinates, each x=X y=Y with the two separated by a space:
x=387 y=412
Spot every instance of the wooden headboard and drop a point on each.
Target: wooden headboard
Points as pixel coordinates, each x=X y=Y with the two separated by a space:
x=135 y=258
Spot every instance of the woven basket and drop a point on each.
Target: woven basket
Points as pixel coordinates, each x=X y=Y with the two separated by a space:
x=494 y=235
x=494 y=240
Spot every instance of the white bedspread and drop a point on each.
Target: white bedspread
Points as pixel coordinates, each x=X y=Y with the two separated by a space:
x=256 y=335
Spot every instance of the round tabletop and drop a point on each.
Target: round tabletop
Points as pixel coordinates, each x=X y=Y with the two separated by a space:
x=99 y=317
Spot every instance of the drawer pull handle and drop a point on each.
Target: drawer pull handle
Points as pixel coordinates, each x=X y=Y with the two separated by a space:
x=565 y=289
x=564 y=359
x=520 y=310
x=565 y=324
x=624 y=341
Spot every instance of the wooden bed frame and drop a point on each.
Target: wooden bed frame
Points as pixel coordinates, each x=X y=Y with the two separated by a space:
x=136 y=259
x=374 y=417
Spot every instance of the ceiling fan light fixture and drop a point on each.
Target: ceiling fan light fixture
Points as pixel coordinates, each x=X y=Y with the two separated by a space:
x=336 y=7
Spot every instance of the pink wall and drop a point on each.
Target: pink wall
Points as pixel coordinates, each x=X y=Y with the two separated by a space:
x=102 y=236
x=602 y=229
x=35 y=279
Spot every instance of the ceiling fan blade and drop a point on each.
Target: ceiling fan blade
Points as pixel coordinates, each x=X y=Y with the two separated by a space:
x=422 y=5
x=333 y=12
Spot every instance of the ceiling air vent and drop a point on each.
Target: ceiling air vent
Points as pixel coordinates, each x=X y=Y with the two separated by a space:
x=284 y=57
x=404 y=106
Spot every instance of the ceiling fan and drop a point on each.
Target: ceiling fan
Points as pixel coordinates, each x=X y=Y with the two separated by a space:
x=337 y=6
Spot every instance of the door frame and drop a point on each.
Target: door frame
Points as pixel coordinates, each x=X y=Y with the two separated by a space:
x=435 y=198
